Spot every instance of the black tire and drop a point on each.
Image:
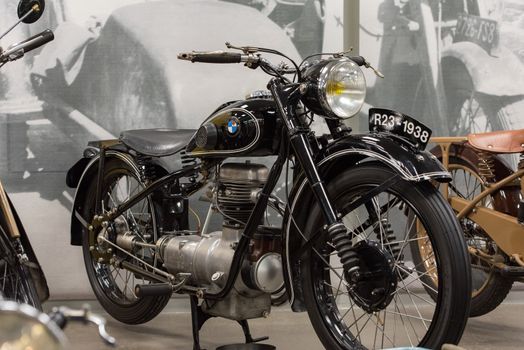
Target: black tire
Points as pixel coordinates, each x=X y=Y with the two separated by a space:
x=16 y=281
x=114 y=300
x=450 y=312
x=488 y=289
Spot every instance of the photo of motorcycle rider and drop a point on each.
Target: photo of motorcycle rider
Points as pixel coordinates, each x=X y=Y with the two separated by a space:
x=398 y=54
x=439 y=71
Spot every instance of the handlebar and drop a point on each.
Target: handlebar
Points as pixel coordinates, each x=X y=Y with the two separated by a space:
x=63 y=314
x=17 y=50
x=213 y=57
x=253 y=60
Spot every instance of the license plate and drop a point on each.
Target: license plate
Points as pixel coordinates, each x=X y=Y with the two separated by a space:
x=399 y=124
x=481 y=31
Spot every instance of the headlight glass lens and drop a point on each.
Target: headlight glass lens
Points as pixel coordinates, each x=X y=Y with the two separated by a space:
x=343 y=87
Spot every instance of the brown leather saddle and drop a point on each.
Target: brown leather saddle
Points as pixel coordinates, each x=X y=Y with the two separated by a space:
x=511 y=141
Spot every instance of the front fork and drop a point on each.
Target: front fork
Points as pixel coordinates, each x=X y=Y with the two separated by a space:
x=336 y=230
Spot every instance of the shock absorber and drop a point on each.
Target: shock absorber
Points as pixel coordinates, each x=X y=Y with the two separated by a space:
x=390 y=239
x=348 y=257
x=147 y=170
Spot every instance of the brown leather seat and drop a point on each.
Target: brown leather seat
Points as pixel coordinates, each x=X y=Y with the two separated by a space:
x=511 y=141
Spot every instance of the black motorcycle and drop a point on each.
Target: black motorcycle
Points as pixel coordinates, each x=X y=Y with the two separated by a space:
x=353 y=204
x=21 y=277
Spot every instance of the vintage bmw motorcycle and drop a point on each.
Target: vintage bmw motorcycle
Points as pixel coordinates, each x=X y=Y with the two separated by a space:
x=352 y=208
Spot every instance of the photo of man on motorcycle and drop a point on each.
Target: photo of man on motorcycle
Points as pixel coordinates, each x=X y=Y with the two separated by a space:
x=457 y=64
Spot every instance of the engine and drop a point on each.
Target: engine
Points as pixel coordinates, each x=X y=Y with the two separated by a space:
x=208 y=257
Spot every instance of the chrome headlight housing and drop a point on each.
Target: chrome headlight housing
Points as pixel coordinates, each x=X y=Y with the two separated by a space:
x=336 y=88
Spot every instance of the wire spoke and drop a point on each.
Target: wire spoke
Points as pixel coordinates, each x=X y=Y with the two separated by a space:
x=392 y=227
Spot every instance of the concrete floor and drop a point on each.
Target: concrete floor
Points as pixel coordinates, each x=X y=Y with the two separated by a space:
x=501 y=329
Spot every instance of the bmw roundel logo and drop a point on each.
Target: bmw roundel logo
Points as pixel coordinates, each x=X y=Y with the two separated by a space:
x=233 y=126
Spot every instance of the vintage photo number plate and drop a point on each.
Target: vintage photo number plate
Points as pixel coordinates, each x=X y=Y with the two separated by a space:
x=481 y=31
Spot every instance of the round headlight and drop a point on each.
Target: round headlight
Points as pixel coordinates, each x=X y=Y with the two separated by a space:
x=342 y=88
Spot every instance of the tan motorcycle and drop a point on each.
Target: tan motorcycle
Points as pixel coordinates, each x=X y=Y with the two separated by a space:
x=487 y=196
x=21 y=277
x=24 y=327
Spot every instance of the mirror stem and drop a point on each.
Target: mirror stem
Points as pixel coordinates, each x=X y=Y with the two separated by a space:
x=35 y=8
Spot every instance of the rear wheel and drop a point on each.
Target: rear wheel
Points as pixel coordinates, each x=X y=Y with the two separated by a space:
x=471 y=111
x=489 y=287
x=16 y=282
x=112 y=284
x=388 y=306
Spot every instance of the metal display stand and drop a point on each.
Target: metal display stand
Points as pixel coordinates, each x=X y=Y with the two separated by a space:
x=199 y=317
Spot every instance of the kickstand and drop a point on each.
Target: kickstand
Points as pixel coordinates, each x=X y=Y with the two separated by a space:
x=198 y=318
x=247 y=333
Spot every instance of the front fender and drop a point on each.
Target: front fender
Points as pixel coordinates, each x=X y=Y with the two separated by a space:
x=394 y=151
x=411 y=164
x=482 y=68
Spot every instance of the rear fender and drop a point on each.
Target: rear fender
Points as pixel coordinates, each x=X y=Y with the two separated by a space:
x=81 y=176
x=396 y=153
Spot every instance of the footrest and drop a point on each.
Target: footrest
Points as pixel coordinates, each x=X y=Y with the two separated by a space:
x=512 y=271
x=250 y=346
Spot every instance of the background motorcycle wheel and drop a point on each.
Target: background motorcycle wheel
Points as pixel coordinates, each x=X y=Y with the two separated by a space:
x=114 y=286
x=468 y=110
x=16 y=282
x=489 y=287
x=471 y=111
x=330 y=302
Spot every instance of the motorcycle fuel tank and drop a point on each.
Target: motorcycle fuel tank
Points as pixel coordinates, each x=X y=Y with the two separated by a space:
x=239 y=129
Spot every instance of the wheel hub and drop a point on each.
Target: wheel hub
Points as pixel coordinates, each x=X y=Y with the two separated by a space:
x=373 y=286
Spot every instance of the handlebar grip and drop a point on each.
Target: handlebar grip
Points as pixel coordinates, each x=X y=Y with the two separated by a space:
x=33 y=42
x=212 y=57
x=361 y=61
x=38 y=40
x=58 y=318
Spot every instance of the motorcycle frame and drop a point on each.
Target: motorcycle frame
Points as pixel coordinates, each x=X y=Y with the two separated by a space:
x=504 y=229
x=285 y=96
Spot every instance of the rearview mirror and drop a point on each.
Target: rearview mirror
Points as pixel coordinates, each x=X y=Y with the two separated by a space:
x=29 y=11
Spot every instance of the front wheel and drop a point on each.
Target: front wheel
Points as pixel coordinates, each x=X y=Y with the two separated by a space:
x=489 y=287
x=389 y=306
